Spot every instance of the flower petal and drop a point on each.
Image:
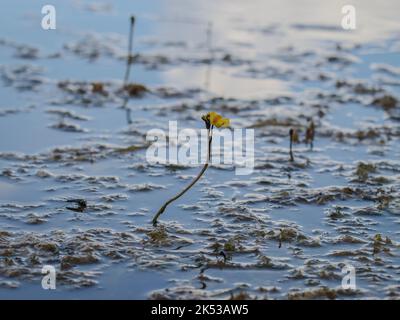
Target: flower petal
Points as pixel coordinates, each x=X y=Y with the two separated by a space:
x=216 y=119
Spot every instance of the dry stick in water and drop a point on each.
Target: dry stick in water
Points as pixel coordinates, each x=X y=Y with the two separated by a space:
x=162 y=209
x=129 y=59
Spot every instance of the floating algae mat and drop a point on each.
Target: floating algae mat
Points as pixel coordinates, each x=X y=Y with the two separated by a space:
x=78 y=191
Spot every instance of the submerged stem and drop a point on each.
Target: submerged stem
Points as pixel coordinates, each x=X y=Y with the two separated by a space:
x=164 y=206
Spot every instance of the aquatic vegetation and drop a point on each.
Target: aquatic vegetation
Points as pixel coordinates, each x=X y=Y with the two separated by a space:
x=78 y=193
x=131 y=148
x=318 y=293
x=98 y=87
x=336 y=213
x=381 y=245
x=81 y=205
x=293 y=138
x=240 y=296
x=68 y=127
x=211 y=119
x=386 y=102
x=310 y=134
x=363 y=170
x=135 y=90
x=158 y=236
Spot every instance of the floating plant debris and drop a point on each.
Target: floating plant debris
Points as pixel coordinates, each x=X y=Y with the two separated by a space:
x=81 y=205
x=135 y=90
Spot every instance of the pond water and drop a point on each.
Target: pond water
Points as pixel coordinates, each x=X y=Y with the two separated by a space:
x=266 y=65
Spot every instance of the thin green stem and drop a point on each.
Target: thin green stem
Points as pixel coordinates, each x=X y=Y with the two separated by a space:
x=177 y=196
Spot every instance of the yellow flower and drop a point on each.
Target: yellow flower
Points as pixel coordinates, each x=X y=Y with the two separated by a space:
x=216 y=119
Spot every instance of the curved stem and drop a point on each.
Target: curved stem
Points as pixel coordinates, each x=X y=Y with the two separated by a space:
x=177 y=196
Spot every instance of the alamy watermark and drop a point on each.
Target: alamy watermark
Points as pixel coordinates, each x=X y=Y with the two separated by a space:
x=49 y=18
x=349 y=278
x=49 y=278
x=231 y=147
x=349 y=18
